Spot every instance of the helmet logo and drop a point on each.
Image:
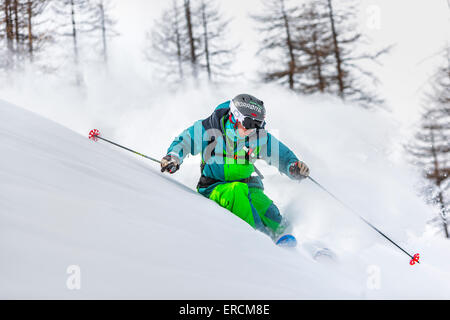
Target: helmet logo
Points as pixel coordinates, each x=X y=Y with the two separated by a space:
x=253 y=107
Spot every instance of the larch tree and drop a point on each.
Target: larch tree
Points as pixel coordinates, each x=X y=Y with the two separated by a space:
x=316 y=64
x=36 y=38
x=71 y=20
x=101 y=24
x=7 y=33
x=190 y=38
x=23 y=32
x=431 y=147
x=166 y=44
x=278 y=27
x=217 y=56
x=316 y=47
x=354 y=82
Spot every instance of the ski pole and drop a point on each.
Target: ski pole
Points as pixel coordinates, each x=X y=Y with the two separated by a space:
x=414 y=258
x=94 y=134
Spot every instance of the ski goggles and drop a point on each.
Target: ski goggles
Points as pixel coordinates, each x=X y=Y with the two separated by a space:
x=250 y=123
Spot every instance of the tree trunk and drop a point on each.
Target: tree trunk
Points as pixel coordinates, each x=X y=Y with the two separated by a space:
x=443 y=216
x=9 y=34
x=317 y=56
x=337 y=53
x=205 y=36
x=178 y=40
x=74 y=32
x=187 y=10
x=30 y=30
x=9 y=27
x=102 y=17
x=290 y=46
x=438 y=183
x=75 y=45
x=16 y=24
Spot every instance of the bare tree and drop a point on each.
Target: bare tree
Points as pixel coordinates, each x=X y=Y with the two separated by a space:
x=36 y=39
x=8 y=35
x=13 y=22
x=166 y=47
x=315 y=66
x=191 y=36
x=23 y=32
x=101 y=24
x=350 y=76
x=71 y=20
x=192 y=39
x=317 y=48
x=277 y=24
x=431 y=148
x=218 y=56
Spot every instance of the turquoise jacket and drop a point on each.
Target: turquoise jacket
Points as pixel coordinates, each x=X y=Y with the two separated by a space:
x=227 y=157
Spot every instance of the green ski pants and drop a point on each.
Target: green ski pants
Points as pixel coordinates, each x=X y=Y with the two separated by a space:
x=249 y=204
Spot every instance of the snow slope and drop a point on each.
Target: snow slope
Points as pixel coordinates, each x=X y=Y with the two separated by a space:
x=136 y=233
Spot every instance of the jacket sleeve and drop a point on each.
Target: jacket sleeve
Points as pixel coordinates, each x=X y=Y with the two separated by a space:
x=276 y=153
x=188 y=142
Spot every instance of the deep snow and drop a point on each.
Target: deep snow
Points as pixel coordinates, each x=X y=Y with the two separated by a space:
x=137 y=233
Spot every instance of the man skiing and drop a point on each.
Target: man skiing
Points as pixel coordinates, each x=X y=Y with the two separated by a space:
x=230 y=140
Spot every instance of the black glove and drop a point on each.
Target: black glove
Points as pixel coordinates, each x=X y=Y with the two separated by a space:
x=170 y=164
x=299 y=170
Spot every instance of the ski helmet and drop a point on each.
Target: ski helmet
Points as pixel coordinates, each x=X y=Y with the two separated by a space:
x=249 y=111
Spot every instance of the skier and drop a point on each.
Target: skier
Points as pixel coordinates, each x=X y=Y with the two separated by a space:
x=230 y=140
